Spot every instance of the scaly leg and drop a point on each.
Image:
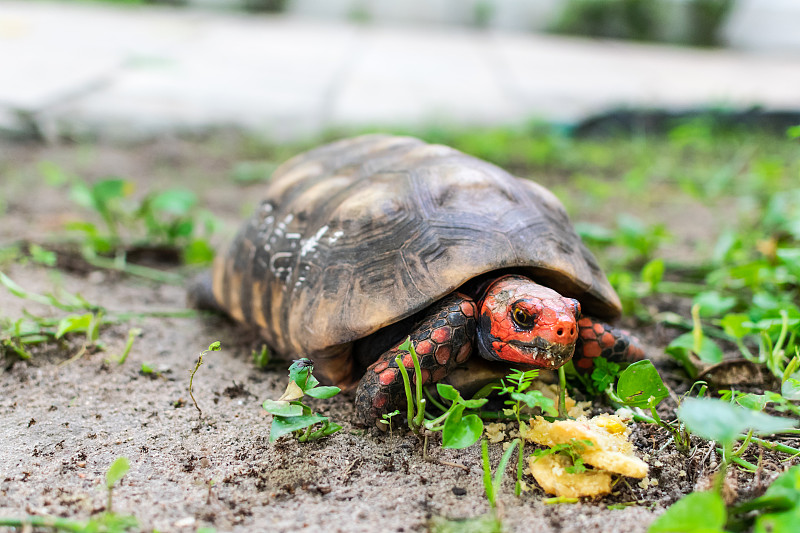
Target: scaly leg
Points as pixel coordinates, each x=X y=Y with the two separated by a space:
x=598 y=339
x=442 y=341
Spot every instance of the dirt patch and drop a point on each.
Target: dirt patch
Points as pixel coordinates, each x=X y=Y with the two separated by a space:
x=63 y=424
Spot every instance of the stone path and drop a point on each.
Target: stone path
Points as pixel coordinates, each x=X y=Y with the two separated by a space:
x=133 y=73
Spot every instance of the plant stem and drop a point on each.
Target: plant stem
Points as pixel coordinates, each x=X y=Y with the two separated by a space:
x=562 y=393
x=43 y=521
x=409 y=397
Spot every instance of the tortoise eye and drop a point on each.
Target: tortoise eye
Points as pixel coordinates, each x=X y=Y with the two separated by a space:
x=523 y=318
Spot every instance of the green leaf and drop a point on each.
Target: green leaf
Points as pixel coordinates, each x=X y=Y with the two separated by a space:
x=735 y=325
x=284 y=425
x=684 y=344
x=214 y=347
x=755 y=402
x=474 y=403
x=198 y=252
x=117 y=471
x=42 y=256
x=712 y=303
x=323 y=392
x=786 y=486
x=640 y=385
x=174 y=201
x=699 y=512
x=74 y=323
x=300 y=373
x=448 y=392
x=790 y=389
x=653 y=273
x=534 y=399
x=720 y=421
x=277 y=408
x=604 y=373
x=460 y=432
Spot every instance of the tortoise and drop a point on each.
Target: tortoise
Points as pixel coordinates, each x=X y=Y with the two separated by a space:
x=364 y=242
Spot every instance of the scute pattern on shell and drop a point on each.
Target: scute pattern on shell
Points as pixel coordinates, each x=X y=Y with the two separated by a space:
x=361 y=233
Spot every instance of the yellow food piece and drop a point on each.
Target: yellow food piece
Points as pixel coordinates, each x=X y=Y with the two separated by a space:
x=550 y=473
x=495 y=432
x=610 y=451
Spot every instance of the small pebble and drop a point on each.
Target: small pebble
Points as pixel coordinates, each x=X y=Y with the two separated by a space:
x=459 y=491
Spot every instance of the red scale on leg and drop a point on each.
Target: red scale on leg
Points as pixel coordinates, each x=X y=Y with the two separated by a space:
x=380 y=367
x=443 y=354
x=387 y=377
x=441 y=335
x=424 y=348
x=596 y=338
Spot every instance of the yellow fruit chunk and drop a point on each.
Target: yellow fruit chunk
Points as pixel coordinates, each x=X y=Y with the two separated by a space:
x=550 y=473
x=610 y=450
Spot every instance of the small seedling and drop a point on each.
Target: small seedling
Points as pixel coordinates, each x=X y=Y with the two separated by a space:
x=573 y=450
x=213 y=347
x=387 y=420
x=132 y=334
x=115 y=473
x=262 y=358
x=515 y=386
x=290 y=415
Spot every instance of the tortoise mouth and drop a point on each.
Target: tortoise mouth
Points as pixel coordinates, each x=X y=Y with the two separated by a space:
x=538 y=354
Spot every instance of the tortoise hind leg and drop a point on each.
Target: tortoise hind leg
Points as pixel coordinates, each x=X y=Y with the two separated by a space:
x=200 y=294
x=442 y=341
x=598 y=339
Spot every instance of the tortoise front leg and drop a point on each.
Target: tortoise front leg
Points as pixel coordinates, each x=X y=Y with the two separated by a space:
x=598 y=339
x=442 y=341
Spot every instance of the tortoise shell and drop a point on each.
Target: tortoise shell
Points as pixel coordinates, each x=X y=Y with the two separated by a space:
x=358 y=234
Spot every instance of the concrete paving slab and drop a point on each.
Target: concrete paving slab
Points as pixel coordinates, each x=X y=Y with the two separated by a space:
x=407 y=76
x=128 y=73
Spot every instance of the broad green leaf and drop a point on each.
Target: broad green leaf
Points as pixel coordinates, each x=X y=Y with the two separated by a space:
x=300 y=373
x=448 y=392
x=465 y=432
x=42 y=256
x=174 y=201
x=698 y=512
x=720 y=421
x=214 y=346
x=106 y=190
x=712 y=303
x=534 y=399
x=117 y=471
x=284 y=425
x=734 y=325
x=791 y=389
x=198 y=252
x=684 y=344
x=474 y=403
x=755 y=402
x=323 y=392
x=640 y=385
x=73 y=323
x=786 y=487
x=653 y=272
x=280 y=408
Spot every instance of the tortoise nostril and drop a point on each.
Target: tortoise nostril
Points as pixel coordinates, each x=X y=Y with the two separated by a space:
x=560 y=332
x=572 y=331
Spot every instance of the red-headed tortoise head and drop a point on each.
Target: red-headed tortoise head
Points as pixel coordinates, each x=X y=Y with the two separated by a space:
x=526 y=323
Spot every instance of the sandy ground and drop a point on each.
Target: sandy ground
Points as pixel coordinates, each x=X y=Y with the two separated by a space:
x=63 y=424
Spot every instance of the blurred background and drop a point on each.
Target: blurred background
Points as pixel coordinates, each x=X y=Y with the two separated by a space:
x=288 y=69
